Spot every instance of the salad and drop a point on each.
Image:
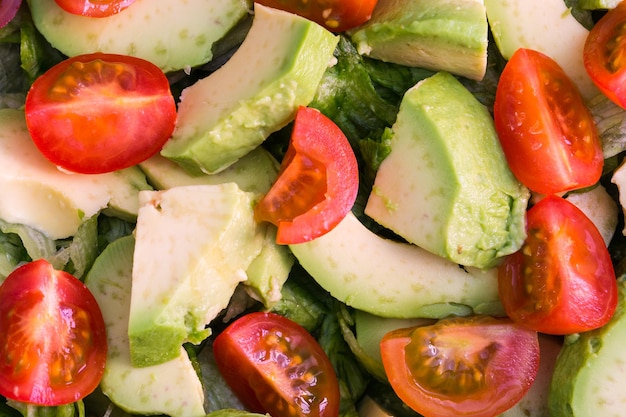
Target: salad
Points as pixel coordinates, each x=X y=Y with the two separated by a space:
x=294 y=231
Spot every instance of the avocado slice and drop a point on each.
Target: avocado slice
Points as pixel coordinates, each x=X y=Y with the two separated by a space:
x=446 y=185
x=447 y=35
x=37 y=194
x=193 y=246
x=393 y=279
x=543 y=26
x=172 y=388
x=256 y=92
x=590 y=370
x=172 y=35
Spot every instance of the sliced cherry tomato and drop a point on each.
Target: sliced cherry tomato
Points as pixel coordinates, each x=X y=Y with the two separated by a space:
x=562 y=280
x=53 y=343
x=318 y=181
x=275 y=366
x=474 y=366
x=94 y=8
x=334 y=15
x=547 y=133
x=8 y=10
x=100 y=112
x=604 y=54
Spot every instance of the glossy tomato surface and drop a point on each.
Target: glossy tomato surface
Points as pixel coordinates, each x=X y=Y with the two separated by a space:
x=466 y=366
x=604 y=54
x=8 y=10
x=94 y=8
x=100 y=112
x=275 y=366
x=547 y=133
x=562 y=280
x=334 y=15
x=52 y=337
x=317 y=184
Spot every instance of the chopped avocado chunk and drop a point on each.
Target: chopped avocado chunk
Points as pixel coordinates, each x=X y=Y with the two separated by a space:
x=256 y=92
x=172 y=35
x=589 y=375
x=393 y=279
x=438 y=35
x=457 y=198
x=172 y=388
x=194 y=244
x=255 y=172
x=545 y=26
x=39 y=195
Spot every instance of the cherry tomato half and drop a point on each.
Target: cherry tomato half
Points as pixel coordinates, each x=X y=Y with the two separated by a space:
x=474 y=366
x=604 y=54
x=275 y=366
x=100 y=112
x=317 y=184
x=334 y=15
x=53 y=342
x=562 y=280
x=8 y=10
x=94 y=8
x=547 y=133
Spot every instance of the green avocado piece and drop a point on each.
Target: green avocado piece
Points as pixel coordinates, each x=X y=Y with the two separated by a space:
x=590 y=370
x=598 y=4
x=255 y=172
x=447 y=35
x=446 y=185
x=256 y=92
x=193 y=246
x=172 y=35
x=172 y=388
x=393 y=279
x=37 y=194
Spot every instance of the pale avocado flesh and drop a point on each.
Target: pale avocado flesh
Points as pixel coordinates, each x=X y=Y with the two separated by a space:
x=276 y=69
x=438 y=35
x=457 y=198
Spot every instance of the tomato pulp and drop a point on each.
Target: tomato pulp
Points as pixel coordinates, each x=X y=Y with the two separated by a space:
x=476 y=366
x=334 y=15
x=53 y=343
x=98 y=112
x=604 y=54
x=94 y=8
x=547 y=133
x=275 y=366
x=317 y=184
x=562 y=280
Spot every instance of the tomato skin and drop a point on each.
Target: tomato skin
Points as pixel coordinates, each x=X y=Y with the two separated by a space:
x=334 y=15
x=547 y=133
x=94 y=8
x=275 y=366
x=317 y=184
x=562 y=280
x=99 y=113
x=475 y=366
x=603 y=54
x=52 y=337
x=8 y=10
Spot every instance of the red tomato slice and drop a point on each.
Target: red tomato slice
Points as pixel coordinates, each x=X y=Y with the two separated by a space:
x=334 y=15
x=94 y=8
x=52 y=337
x=100 y=112
x=8 y=10
x=465 y=366
x=318 y=181
x=604 y=54
x=562 y=280
x=547 y=133
x=275 y=366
